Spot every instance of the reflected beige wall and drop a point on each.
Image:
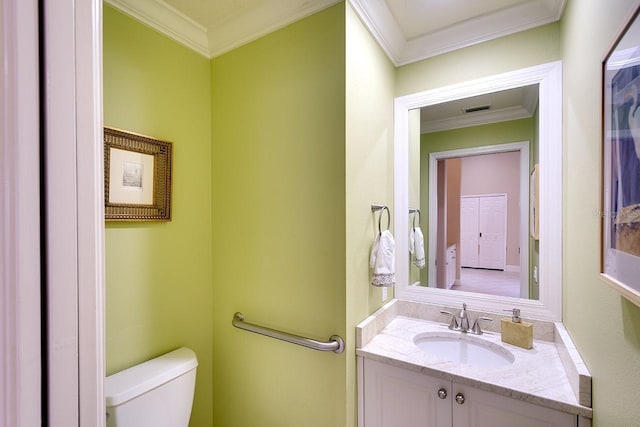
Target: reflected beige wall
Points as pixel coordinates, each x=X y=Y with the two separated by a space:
x=454 y=178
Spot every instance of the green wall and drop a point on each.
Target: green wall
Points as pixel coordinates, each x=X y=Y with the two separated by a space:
x=158 y=275
x=476 y=136
x=278 y=215
x=604 y=325
x=369 y=176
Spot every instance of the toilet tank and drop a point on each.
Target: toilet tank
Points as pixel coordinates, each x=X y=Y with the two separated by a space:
x=156 y=393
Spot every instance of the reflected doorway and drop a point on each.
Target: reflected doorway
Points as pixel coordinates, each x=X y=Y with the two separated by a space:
x=478 y=231
x=477 y=220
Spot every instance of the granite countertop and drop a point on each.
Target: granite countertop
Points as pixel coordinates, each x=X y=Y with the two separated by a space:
x=536 y=376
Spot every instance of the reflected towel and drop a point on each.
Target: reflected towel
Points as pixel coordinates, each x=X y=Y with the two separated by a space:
x=416 y=247
x=382 y=260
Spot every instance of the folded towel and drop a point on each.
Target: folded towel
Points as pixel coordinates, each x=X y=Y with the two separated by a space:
x=416 y=247
x=382 y=260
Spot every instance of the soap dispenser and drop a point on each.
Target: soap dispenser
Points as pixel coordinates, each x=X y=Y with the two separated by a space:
x=515 y=331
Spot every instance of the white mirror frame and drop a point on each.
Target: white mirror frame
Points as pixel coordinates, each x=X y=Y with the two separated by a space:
x=549 y=78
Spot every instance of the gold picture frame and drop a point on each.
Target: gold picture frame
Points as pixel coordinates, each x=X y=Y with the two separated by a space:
x=137 y=177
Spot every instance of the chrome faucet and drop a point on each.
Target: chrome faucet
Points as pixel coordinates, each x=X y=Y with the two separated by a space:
x=461 y=321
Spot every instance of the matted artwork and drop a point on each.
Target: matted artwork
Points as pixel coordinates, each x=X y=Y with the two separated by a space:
x=621 y=163
x=137 y=177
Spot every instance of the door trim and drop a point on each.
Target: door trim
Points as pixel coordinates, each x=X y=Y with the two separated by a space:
x=74 y=212
x=20 y=334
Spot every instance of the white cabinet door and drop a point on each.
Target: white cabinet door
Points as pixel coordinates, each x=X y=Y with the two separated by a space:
x=395 y=397
x=482 y=408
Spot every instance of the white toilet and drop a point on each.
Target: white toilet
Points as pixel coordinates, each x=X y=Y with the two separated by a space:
x=156 y=393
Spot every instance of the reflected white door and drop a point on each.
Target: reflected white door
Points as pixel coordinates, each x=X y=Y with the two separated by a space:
x=492 y=221
x=483 y=232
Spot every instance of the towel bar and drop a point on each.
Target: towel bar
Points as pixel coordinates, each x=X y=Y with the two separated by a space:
x=335 y=344
x=377 y=207
x=415 y=212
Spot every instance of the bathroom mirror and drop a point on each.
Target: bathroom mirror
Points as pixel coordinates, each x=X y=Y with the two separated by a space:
x=420 y=179
x=469 y=173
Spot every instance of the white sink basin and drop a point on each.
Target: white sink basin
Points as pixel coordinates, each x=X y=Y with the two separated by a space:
x=464 y=349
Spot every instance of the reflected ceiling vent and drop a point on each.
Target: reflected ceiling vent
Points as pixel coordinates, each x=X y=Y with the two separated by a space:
x=476 y=109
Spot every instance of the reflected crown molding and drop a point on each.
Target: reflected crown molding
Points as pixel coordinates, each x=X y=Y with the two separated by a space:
x=480 y=118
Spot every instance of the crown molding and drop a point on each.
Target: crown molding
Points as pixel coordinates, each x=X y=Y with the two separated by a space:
x=378 y=19
x=258 y=22
x=212 y=42
x=375 y=15
x=475 y=119
x=167 y=20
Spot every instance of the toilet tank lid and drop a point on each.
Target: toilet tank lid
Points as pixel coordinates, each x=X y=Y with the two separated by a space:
x=139 y=379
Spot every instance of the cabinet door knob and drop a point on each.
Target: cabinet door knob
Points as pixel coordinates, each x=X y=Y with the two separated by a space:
x=460 y=398
x=442 y=393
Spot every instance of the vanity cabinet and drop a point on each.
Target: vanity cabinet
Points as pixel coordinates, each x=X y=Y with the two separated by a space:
x=391 y=396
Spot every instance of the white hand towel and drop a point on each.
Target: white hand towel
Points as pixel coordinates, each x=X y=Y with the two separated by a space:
x=416 y=247
x=382 y=260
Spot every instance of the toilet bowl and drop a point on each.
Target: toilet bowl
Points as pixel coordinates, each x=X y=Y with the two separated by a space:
x=156 y=393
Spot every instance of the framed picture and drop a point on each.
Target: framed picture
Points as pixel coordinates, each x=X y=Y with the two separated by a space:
x=534 y=203
x=137 y=177
x=620 y=266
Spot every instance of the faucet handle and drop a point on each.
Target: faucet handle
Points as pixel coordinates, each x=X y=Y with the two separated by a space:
x=476 y=325
x=453 y=325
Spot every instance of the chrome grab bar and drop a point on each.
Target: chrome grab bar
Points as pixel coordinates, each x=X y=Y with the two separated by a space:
x=335 y=344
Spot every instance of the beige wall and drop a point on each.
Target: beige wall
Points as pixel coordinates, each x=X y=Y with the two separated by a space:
x=525 y=49
x=454 y=191
x=497 y=174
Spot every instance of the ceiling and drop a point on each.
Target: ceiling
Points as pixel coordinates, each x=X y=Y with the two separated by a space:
x=407 y=30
